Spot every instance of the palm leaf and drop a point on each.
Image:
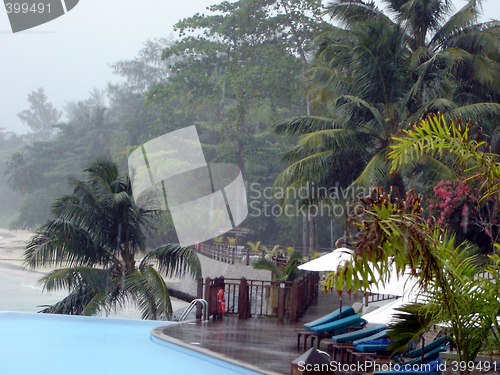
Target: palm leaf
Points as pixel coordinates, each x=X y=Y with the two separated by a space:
x=174 y=260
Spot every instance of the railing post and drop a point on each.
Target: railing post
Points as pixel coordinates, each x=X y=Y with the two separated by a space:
x=294 y=302
x=243 y=299
x=199 y=295
x=248 y=256
x=232 y=255
x=208 y=297
x=281 y=301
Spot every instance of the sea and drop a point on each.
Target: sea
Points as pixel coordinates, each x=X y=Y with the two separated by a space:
x=20 y=290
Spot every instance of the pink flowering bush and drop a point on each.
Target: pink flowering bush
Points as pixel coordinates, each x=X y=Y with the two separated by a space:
x=456 y=207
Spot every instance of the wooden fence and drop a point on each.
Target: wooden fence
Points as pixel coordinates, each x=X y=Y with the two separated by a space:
x=247 y=298
x=233 y=254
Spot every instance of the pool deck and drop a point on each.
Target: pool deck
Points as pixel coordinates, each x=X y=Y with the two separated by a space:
x=262 y=342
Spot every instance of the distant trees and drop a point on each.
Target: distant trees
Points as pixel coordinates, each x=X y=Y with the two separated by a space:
x=10 y=199
x=41 y=117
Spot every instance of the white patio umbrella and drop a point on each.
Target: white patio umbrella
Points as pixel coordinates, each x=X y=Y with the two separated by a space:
x=398 y=285
x=329 y=263
x=385 y=314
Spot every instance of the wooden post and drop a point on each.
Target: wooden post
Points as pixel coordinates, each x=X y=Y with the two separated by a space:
x=208 y=297
x=281 y=301
x=232 y=255
x=243 y=299
x=199 y=295
x=248 y=256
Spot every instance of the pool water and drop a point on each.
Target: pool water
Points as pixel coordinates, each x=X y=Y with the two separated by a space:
x=39 y=344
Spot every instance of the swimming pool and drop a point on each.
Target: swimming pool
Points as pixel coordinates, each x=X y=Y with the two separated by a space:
x=39 y=344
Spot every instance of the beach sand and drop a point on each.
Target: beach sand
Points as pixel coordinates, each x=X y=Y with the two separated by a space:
x=19 y=286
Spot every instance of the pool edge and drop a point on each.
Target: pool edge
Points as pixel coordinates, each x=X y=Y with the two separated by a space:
x=160 y=335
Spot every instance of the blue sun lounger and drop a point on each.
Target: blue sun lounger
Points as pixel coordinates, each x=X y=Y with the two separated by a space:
x=430 y=346
x=378 y=335
x=373 y=346
x=428 y=357
x=333 y=316
x=360 y=334
x=339 y=326
x=341 y=343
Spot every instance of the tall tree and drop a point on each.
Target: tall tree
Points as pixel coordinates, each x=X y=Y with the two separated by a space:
x=98 y=233
x=237 y=70
x=41 y=116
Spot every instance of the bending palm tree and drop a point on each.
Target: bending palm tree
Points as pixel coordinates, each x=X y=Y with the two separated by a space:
x=98 y=233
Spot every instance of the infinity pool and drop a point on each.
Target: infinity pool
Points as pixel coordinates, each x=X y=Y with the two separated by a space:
x=39 y=344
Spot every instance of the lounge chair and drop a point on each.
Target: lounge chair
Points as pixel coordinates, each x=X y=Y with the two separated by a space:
x=373 y=346
x=430 y=346
x=341 y=343
x=361 y=334
x=329 y=325
x=339 y=326
x=346 y=311
x=429 y=356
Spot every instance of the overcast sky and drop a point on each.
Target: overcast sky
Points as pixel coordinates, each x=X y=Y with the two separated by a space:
x=70 y=55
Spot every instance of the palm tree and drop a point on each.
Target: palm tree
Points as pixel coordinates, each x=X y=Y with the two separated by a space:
x=289 y=273
x=374 y=75
x=98 y=232
x=23 y=174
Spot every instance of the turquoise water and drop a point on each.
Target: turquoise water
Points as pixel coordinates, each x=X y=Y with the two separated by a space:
x=39 y=344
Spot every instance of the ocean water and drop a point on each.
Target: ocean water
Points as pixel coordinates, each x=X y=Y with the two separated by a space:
x=20 y=291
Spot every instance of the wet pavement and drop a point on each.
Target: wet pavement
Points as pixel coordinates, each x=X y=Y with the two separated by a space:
x=262 y=342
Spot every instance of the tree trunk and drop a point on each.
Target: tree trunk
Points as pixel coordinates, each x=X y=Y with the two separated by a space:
x=305 y=232
x=312 y=230
x=398 y=184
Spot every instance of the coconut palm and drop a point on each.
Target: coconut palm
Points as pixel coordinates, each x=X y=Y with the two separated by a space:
x=98 y=233
x=374 y=75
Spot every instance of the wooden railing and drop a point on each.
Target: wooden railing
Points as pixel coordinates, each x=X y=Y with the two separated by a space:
x=247 y=298
x=228 y=254
x=236 y=254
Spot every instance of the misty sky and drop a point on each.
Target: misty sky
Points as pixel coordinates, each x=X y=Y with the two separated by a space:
x=70 y=55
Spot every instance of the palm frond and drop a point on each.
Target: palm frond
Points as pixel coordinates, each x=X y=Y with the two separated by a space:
x=262 y=263
x=303 y=125
x=174 y=260
x=150 y=292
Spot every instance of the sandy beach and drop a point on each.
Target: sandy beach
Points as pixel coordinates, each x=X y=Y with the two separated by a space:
x=19 y=286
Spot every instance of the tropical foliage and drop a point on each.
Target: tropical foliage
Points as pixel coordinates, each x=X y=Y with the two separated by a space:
x=396 y=232
x=99 y=234
x=374 y=74
x=287 y=273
